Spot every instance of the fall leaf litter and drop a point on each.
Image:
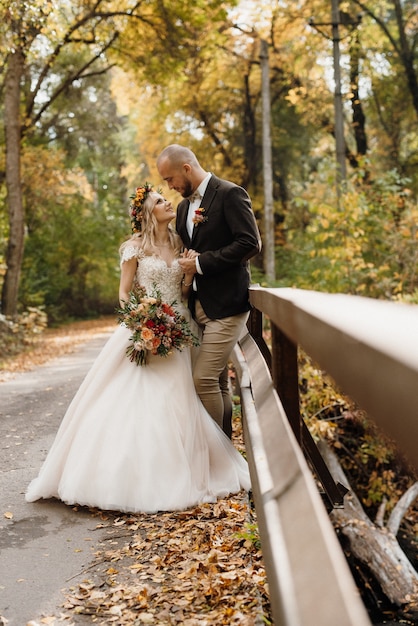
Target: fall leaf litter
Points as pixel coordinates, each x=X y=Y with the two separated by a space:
x=55 y=342
x=198 y=567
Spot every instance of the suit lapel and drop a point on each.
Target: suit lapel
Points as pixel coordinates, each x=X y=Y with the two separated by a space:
x=210 y=193
x=182 y=210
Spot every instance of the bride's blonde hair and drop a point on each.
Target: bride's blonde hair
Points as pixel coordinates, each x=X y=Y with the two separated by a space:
x=144 y=223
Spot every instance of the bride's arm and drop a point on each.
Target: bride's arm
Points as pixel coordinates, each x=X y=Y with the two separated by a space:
x=127 y=275
x=186 y=285
x=189 y=273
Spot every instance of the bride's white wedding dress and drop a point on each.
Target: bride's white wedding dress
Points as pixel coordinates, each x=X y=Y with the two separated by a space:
x=137 y=438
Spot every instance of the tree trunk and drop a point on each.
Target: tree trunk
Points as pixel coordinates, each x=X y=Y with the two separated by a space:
x=338 y=104
x=12 y=124
x=249 y=136
x=375 y=547
x=407 y=55
x=359 y=119
x=269 y=225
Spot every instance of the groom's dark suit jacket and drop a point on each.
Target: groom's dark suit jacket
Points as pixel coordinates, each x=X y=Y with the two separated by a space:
x=225 y=241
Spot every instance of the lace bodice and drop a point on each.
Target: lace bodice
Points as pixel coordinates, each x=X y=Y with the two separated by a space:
x=153 y=271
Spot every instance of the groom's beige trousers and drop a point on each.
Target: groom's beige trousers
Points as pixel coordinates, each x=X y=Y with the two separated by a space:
x=210 y=372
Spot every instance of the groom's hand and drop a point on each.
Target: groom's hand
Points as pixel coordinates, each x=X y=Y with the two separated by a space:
x=188 y=264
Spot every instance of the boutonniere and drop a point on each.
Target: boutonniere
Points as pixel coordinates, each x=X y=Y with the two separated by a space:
x=198 y=216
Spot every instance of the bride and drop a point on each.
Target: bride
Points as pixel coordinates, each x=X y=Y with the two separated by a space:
x=137 y=438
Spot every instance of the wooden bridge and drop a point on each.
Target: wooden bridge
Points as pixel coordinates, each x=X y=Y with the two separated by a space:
x=370 y=348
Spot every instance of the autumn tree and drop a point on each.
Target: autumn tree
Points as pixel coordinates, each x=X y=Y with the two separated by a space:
x=381 y=43
x=35 y=38
x=191 y=73
x=76 y=207
x=398 y=23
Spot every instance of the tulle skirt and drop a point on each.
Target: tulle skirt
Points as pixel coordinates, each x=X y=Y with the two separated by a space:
x=138 y=439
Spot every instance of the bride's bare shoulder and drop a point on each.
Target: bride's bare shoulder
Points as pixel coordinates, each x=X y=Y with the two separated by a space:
x=133 y=242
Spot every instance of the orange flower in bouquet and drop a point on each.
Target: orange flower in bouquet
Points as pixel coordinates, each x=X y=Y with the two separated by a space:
x=157 y=327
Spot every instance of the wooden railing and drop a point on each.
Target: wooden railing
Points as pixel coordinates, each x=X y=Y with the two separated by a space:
x=370 y=348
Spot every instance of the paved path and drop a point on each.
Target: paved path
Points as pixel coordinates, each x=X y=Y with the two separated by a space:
x=43 y=545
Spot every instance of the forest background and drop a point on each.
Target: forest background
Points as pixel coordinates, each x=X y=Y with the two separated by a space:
x=92 y=90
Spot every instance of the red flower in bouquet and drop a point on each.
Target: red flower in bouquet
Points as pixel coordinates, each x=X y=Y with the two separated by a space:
x=156 y=326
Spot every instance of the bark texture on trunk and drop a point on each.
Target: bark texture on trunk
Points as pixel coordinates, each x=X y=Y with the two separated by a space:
x=12 y=128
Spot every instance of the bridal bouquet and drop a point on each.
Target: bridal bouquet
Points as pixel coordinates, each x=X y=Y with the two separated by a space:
x=156 y=326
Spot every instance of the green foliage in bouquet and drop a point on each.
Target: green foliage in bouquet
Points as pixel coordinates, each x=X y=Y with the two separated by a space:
x=157 y=327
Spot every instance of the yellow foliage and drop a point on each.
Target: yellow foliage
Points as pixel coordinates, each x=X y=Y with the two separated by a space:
x=45 y=178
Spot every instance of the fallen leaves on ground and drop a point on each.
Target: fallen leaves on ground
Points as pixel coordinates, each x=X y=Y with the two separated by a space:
x=55 y=342
x=196 y=568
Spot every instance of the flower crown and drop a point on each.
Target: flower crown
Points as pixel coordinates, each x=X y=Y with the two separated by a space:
x=135 y=209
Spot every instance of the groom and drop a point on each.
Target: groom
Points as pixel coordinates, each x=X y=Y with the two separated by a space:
x=224 y=233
